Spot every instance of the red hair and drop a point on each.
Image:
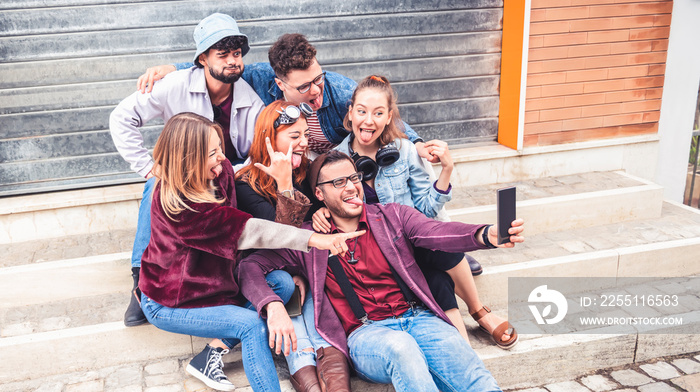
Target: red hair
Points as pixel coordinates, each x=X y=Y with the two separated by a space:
x=260 y=181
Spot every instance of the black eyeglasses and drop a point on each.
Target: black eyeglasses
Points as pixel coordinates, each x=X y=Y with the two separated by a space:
x=291 y=114
x=341 y=182
x=304 y=88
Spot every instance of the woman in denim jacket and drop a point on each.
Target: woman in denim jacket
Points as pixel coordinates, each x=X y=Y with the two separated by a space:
x=394 y=173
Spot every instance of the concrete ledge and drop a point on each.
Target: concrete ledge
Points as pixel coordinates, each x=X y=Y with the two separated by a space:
x=65 y=279
x=497 y=164
x=655 y=346
x=91 y=211
x=665 y=259
x=65 y=199
x=556 y=358
x=576 y=211
x=671 y=258
x=492 y=285
x=86 y=348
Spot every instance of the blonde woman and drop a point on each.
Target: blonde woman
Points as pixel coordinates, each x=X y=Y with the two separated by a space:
x=187 y=279
x=394 y=173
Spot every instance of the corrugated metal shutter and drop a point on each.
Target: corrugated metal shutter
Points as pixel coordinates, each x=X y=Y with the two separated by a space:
x=65 y=64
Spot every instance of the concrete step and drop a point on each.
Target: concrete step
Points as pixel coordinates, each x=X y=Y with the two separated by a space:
x=50 y=295
x=61 y=307
x=563 y=202
x=111 y=356
x=67 y=247
x=70 y=213
x=56 y=295
x=661 y=247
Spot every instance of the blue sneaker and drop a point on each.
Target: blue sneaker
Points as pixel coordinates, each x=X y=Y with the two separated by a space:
x=208 y=366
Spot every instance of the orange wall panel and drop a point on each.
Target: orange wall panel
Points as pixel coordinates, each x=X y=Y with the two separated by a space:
x=595 y=69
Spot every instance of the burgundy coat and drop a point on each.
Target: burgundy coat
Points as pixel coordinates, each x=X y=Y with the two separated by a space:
x=190 y=263
x=397 y=228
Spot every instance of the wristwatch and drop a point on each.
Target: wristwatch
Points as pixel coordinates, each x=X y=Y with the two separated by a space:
x=485 y=237
x=288 y=193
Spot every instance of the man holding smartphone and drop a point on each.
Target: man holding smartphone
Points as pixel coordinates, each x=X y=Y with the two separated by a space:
x=363 y=304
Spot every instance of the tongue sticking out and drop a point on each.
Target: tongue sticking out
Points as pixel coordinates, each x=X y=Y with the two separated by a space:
x=365 y=137
x=314 y=104
x=216 y=170
x=296 y=160
x=355 y=200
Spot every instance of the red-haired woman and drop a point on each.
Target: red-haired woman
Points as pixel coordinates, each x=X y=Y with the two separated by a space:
x=274 y=187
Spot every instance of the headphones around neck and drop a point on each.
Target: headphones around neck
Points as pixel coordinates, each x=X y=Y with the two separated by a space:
x=386 y=156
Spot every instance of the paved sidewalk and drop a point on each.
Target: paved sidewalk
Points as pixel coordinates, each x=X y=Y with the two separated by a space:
x=669 y=374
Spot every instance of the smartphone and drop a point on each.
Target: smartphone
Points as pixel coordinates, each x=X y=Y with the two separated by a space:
x=294 y=305
x=506 y=213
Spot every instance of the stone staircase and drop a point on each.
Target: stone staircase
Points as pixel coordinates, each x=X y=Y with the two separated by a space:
x=65 y=278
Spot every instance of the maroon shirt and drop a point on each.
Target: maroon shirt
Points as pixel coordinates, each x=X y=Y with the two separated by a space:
x=189 y=263
x=224 y=119
x=371 y=278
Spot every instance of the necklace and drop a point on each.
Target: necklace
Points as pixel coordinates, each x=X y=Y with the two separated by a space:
x=353 y=260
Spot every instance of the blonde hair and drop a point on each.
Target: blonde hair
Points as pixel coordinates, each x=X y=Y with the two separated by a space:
x=394 y=129
x=180 y=156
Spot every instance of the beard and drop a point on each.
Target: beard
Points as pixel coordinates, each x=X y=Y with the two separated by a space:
x=229 y=79
x=338 y=208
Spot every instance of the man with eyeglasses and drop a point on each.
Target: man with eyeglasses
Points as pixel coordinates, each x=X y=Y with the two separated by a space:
x=372 y=302
x=213 y=89
x=294 y=74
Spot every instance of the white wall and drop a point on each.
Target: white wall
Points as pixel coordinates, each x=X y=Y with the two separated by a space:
x=679 y=98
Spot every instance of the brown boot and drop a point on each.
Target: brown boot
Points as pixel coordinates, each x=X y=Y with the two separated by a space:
x=305 y=380
x=333 y=371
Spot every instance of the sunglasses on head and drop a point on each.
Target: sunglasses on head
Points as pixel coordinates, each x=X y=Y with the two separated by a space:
x=291 y=114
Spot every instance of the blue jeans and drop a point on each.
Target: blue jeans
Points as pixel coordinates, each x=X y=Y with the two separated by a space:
x=231 y=324
x=307 y=337
x=418 y=352
x=143 y=225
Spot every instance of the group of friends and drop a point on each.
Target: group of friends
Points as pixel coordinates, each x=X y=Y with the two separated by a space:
x=275 y=178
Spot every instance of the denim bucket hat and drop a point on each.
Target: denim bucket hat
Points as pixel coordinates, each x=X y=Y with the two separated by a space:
x=212 y=29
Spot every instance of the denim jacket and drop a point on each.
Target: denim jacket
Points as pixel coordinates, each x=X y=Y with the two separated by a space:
x=337 y=92
x=406 y=181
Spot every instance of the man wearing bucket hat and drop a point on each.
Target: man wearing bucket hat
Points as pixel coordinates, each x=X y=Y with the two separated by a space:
x=212 y=89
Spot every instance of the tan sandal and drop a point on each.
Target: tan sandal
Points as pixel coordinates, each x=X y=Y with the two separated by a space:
x=498 y=332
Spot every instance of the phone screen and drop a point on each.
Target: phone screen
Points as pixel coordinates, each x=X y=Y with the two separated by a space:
x=506 y=213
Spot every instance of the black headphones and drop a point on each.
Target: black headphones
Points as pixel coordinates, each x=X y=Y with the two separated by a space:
x=386 y=156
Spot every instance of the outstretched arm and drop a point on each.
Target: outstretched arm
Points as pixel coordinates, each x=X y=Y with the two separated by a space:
x=452 y=237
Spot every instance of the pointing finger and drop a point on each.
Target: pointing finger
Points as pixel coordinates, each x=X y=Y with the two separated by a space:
x=354 y=234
